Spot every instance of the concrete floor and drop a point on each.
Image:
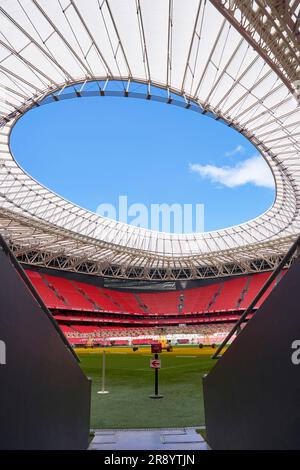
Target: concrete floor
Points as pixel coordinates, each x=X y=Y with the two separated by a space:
x=148 y=439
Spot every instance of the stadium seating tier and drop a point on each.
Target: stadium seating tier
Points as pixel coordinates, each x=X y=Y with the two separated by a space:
x=73 y=302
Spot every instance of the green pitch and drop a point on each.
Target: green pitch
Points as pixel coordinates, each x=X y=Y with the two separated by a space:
x=130 y=381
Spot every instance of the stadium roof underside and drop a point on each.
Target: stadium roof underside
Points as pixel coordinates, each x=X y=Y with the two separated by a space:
x=236 y=61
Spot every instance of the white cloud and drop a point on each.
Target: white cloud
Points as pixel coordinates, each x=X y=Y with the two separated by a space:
x=251 y=171
x=237 y=149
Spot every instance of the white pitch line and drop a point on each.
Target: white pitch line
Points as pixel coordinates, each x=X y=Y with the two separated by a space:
x=115 y=352
x=187 y=356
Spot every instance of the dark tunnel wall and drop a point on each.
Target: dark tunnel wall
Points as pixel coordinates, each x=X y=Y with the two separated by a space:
x=252 y=395
x=44 y=395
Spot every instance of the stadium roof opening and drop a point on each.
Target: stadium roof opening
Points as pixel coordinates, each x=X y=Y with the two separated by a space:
x=70 y=131
x=221 y=70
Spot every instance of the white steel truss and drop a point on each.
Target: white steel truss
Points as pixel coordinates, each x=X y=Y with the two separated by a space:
x=235 y=61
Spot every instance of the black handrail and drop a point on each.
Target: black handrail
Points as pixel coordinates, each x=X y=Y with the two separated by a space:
x=24 y=276
x=267 y=284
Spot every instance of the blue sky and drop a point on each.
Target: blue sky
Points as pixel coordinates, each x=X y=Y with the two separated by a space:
x=92 y=150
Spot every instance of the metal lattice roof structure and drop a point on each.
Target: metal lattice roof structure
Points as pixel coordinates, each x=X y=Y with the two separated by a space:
x=236 y=61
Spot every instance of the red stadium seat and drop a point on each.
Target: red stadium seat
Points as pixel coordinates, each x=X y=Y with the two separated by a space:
x=68 y=291
x=85 y=309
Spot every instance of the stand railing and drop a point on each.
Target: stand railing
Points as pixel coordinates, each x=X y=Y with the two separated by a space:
x=38 y=298
x=264 y=288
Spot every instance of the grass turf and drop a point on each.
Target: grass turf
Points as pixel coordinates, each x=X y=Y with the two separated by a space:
x=130 y=381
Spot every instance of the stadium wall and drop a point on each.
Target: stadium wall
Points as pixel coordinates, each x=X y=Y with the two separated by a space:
x=44 y=395
x=252 y=394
